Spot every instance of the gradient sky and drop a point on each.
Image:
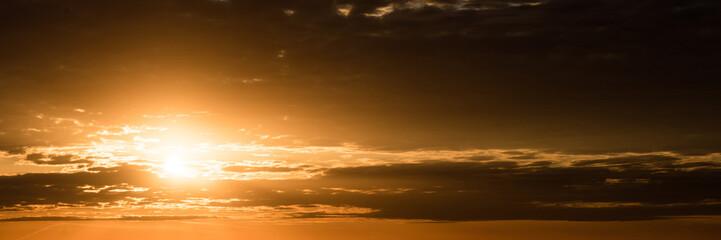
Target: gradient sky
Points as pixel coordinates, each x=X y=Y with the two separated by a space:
x=440 y=118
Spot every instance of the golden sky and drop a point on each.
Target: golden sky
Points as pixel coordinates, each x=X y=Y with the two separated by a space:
x=437 y=119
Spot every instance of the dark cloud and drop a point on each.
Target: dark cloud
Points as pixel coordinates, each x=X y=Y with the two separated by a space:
x=13 y=150
x=563 y=76
x=244 y=169
x=573 y=76
x=525 y=156
x=480 y=158
x=513 y=153
x=480 y=191
x=67 y=188
x=41 y=159
x=320 y=214
x=629 y=161
x=128 y=218
x=437 y=190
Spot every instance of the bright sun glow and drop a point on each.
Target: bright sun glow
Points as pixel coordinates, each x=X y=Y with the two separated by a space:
x=175 y=166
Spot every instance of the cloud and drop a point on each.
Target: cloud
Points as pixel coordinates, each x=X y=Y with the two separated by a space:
x=525 y=156
x=561 y=76
x=663 y=186
x=554 y=75
x=67 y=188
x=480 y=158
x=243 y=169
x=630 y=161
x=13 y=150
x=127 y=218
x=478 y=191
x=41 y=159
x=513 y=152
x=320 y=214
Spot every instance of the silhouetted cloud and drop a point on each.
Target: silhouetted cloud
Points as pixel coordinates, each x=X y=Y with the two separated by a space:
x=630 y=161
x=129 y=218
x=553 y=109
x=480 y=158
x=260 y=169
x=510 y=74
x=436 y=190
x=41 y=159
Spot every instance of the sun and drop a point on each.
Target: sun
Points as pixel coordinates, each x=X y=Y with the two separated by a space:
x=176 y=167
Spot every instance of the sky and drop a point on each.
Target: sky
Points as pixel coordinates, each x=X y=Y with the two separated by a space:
x=439 y=119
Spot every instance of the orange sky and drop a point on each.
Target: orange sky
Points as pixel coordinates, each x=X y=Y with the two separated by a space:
x=373 y=229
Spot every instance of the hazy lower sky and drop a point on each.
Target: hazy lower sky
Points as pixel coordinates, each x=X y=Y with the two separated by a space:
x=440 y=119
